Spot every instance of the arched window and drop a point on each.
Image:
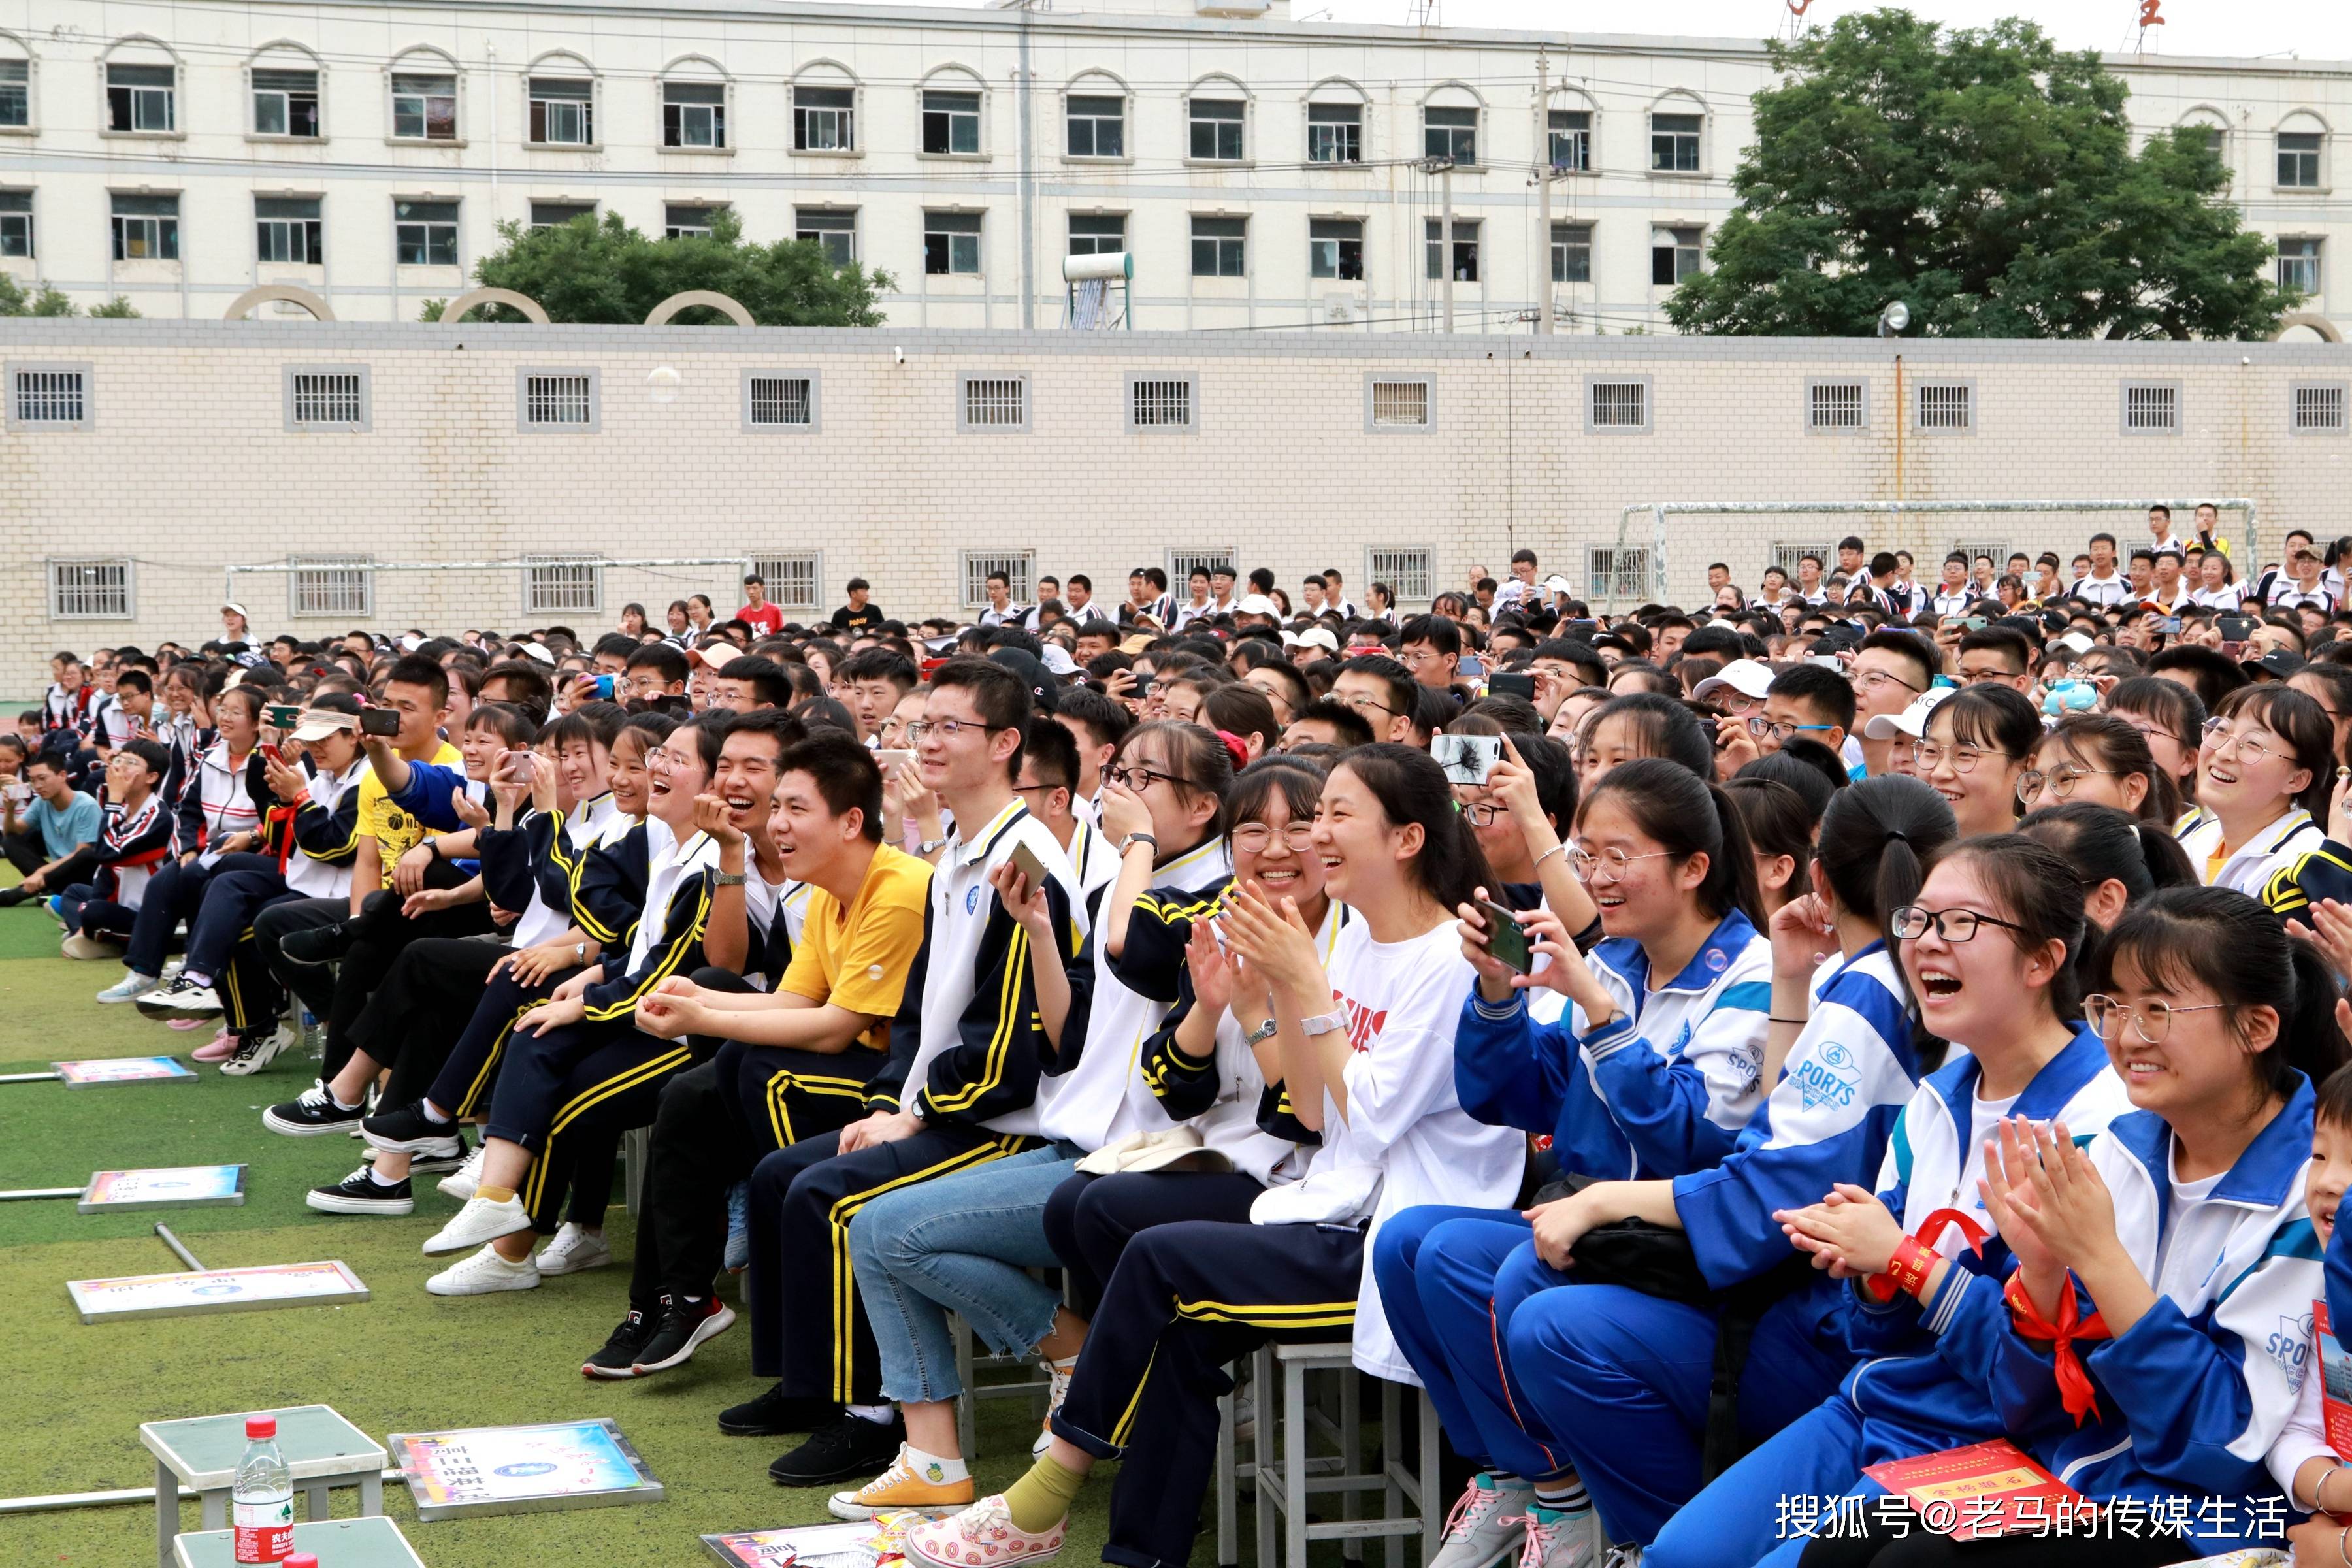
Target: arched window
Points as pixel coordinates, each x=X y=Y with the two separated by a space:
x=1450 y=124
x=1216 y=122
x=1337 y=113
x=142 y=88
x=283 y=84
x=1571 y=121
x=2302 y=140
x=694 y=105
x=16 y=87
x=952 y=103
x=824 y=110
x=423 y=83
x=559 y=96
x=1094 y=117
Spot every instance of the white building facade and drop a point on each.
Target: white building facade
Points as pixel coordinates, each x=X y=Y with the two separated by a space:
x=1263 y=172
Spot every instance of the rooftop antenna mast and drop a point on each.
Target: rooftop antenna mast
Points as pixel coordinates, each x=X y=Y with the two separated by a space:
x=2151 y=14
x=1425 y=14
x=1792 y=20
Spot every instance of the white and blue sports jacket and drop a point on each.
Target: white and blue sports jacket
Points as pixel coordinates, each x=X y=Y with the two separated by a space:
x=2192 y=1396
x=1663 y=1088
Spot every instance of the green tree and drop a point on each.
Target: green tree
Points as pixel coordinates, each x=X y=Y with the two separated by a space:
x=50 y=301
x=1986 y=178
x=119 y=308
x=587 y=270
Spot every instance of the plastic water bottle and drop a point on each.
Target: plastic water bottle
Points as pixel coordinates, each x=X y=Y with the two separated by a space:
x=262 y=1496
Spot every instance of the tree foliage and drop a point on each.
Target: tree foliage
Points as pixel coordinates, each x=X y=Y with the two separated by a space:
x=1986 y=179
x=51 y=300
x=588 y=271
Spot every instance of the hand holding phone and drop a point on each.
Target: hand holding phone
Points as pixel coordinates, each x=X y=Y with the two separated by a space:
x=1506 y=938
x=383 y=722
x=1466 y=759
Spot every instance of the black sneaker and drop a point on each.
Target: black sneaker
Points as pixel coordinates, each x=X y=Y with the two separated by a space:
x=436 y=1164
x=406 y=1130
x=360 y=1193
x=318 y=944
x=313 y=1114
x=684 y=1326
x=618 y=1358
x=775 y=1413
x=847 y=1447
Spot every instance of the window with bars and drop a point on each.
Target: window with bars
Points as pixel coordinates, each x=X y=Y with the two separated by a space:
x=326 y=398
x=86 y=590
x=995 y=402
x=49 y=397
x=1622 y=404
x=554 y=584
x=1785 y=552
x=1406 y=573
x=1396 y=402
x=339 y=587
x=2152 y=408
x=1835 y=405
x=1159 y=403
x=1972 y=548
x=2319 y=408
x=557 y=399
x=1184 y=560
x=1618 y=573
x=1018 y=567
x=1947 y=405
x=791 y=577
x=773 y=401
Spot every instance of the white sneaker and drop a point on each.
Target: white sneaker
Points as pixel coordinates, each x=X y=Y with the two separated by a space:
x=1556 y=1540
x=478 y=1222
x=180 y=998
x=253 y=1053
x=461 y=1183
x=130 y=988
x=482 y=1274
x=576 y=1247
x=1060 y=1377
x=1488 y=1521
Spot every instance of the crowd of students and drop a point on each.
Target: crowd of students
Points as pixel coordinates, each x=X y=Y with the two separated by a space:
x=1919 y=1029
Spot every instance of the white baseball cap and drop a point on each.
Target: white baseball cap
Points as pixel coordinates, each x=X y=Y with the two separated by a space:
x=1556 y=584
x=1257 y=604
x=1313 y=637
x=1913 y=721
x=1750 y=678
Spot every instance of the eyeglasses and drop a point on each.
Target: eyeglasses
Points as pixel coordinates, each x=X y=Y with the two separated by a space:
x=1609 y=866
x=1256 y=837
x=2150 y=1020
x=2152 y=731
x=1361 y=699
x=948 y=729
x=1928 y=756
x=1138 y=778
x=1978 y=677
x=2060 y=782
x=1911 y=923
x=1877 y=680
x=2221 y=738
x=1779 y=728
x=1483 y=814
x=1035 y=789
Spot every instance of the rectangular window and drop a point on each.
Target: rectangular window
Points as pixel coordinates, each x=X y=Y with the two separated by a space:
x=424 y=108
x=2298 y=266
x=288 y=229
x=1670 y=264
x=1572 y=253
x=1097 y=127
x=54 y=397
x=1216 y=126
x=16 y=93
x=1617 y=574
x=559 y=400
x=1619 y=405
x=1018 y=567
x=951 y=123
x=1674 y=143
x=1785 y=553
x=1098 y=234
x=16 y=222
x=2298 y=159
x=1405 y=572
x=1185 y=559
x=834 y=229
x=693 y=114
x=995 y=402
x=553 y=584
x=1835 y=406
x=2319 y=408
x=1571 y=141
x=555 y=215
x=562 y=112
x=90 y=590
x=1219 y=246
x=952 y=244
x=682 y=220
x=139 y=98
x=791 y=577
x=781 y=402
x=334 y=399
x=1464 y=251
x=424 y=233
x=1159 y=403
x=2152 y=408
x=1947 y=405
x=1399 y=404
x=1450 y=133
x=1335 y=133
x=1335 y=248
x=824 y=119
x=146 y=228
x=285 y=103
x=339 y=586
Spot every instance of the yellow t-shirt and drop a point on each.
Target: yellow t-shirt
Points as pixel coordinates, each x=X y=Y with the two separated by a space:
x=395 y=831
x=858 y=958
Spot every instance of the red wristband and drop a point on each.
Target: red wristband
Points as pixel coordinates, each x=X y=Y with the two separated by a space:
x=1916 y=1257
x=1911 y=1266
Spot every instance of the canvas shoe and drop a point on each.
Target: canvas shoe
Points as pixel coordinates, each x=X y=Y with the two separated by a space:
x=775 y=1413
x=435 y=1164
x=462 y=1183
x=180 y=997
x=254 y=1052
x=982 y=1536
x=219 y=1049
x=905 y=1488
x=1058 y=1377
x=360 y=1193
x=87 y=948
x=1556 y=1540
x=130 y=988
x=482 y=1274
x=684 y=1327
x=616 y=1358
x=574 y=1247
x=480 y=1221
x=310 y=1114
x=406 y=1130
x=1488 y=1521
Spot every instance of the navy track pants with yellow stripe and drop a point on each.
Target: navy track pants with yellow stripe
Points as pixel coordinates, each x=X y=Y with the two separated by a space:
x=1184 y=1300
x=568 y=1094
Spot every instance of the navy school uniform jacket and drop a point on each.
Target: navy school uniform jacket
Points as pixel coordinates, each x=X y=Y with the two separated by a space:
x=611 y=896
x=675 y=949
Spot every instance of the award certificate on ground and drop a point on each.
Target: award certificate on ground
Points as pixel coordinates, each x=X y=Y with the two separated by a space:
x=171 y=1188
x=217 y=1290
x=805 y=1545
x=124 y=1069
x=521 y=1470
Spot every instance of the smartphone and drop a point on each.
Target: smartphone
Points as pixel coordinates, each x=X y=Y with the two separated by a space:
x=1470 y=667
x=2236 y=629
x=1512 y=683
x=604 y=686
x=283 y=715
x=274 y=754
x=382 y=721
x=2168 y=624
x=1466 y=759
x=2233 y=650
x=1141 y=689
x=1975 y=623
x=888 y=761
x=1025 y=861
x=525 y=766
x=1507 y=939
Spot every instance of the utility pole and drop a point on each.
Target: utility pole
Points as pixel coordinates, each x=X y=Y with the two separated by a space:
x=1543 y=192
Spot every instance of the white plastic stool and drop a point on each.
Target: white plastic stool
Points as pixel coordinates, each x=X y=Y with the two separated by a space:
x=1285 y=1483
x=1032 y=1381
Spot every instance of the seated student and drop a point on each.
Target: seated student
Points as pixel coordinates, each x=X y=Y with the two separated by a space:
x=1530 y=794
x=116 y=867
x=2099 y=758
x=2119 y=859
x=2265 y=769
x=2182 y=1225
x=1988 y=954
x=2171 y=717
x=2303 y=1461
x=1641 y=724
x=1973 y=752
x=45 y=832
x=1362 y=1045
x=795 y=1063
x=1804 y=702
x=873 y=682
x=965 y=1241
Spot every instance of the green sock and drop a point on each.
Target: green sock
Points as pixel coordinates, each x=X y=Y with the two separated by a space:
x=1042 y=1498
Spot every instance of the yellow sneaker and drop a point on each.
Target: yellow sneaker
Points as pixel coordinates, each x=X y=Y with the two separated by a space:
x=905 y=1487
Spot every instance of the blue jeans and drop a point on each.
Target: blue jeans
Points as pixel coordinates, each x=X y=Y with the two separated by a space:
x=957 y=1243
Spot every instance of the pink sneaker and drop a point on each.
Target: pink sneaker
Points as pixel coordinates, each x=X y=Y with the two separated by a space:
x=219 y=1049
x=982 y=1536
x=189 y=1023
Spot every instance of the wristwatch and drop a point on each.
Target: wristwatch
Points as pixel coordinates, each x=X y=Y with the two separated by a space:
x=728 y=879
x=1322 y=1023
x=579 y=952
x=1263 y=1033
x=931 y=847
x=1133 y=839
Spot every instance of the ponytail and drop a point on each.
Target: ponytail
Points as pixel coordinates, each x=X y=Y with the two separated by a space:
x=1687 y=816
x=2105 y=845
x=1412 y=788
x=1875 y=838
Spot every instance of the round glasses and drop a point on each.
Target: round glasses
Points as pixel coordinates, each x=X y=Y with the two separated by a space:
x=1609 y=866
x=2151 y=1020
x=1256 y=837
x=1929 y=755
x=2059 y=781
x=2221 y=738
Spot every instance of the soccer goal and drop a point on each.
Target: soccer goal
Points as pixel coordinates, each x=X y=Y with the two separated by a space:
x=339 y=592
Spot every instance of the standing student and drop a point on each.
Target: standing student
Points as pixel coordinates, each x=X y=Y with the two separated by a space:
x=2265 y=770
x=1364 y=1053
x=1974 y=752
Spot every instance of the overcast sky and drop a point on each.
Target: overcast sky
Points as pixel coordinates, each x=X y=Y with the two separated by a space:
x=2313 y=30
